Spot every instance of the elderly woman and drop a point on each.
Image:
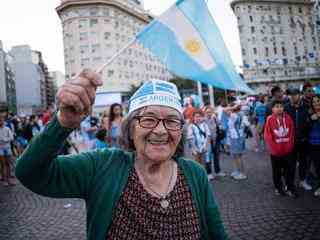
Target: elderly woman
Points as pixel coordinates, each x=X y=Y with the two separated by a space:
x=146 y=193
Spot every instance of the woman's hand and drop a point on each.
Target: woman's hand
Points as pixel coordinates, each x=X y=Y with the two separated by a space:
x=76 y=97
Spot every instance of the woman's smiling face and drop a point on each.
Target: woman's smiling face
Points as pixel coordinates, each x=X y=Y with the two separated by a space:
x=157 y=144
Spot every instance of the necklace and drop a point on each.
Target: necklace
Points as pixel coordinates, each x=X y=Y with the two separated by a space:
x=164 y=203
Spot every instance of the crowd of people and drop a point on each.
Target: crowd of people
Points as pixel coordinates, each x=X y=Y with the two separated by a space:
x=286 y=123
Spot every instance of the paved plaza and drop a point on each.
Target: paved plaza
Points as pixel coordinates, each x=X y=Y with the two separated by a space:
x=249 y=209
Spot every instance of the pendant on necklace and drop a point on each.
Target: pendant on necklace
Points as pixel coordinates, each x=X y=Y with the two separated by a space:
x=164 y=203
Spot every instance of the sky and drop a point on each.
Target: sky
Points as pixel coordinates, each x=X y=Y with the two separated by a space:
x=36 y=23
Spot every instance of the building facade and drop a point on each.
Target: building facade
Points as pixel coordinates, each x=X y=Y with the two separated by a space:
x=7 y=83
x=49 y=88
x=58 y=78
x=31 y=79
x=279 y=41
x=94 y=30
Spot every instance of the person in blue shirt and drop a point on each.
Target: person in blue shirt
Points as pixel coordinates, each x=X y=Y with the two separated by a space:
x=101 y=138
x=260 y=120
x=314 y=140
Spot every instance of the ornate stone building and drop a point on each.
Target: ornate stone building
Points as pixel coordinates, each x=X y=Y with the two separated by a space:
x=279 y=41
x=94 y=30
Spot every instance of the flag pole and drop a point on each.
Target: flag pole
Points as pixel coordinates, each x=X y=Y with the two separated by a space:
x=226 y=95
x=111 y=59
x=211 y=95
x=200 y=91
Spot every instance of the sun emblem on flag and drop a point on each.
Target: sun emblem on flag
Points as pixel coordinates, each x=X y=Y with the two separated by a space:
x=193 y=46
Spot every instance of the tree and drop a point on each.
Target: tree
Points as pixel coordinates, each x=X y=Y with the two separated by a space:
x=133 y=89
x=183 y=84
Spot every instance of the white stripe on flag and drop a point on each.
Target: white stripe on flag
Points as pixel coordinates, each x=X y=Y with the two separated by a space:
x=188 y=37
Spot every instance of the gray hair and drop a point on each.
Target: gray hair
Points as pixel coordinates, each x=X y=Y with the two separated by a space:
x=126 y=138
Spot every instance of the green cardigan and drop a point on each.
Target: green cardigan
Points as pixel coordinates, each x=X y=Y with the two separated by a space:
x=99 y=177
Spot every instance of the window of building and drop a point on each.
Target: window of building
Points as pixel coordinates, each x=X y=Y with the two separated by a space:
x=267 y=52
x=84 y=49
x=251 y=18
x=243 y=52
x=85 y=62
x=107 y=35
x=252 y=29
x=284 y=51
x=275 y=51
x=83 y=23
x=95 y=48
x=83 y=36
x=255 y=51
x=272 y=29
x=300 y=10
x=106 y=12
x=110 y=73
x=94 y=11
x=93 y=22
x=240 y=28
x=279 y=18
x=117 y=36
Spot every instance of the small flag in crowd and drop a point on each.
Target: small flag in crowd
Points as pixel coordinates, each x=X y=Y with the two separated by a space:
x=186 y=39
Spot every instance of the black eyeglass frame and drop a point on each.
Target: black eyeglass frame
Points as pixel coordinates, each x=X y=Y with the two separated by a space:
x=163 y=120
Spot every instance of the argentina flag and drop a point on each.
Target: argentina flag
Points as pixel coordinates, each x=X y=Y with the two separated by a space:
x=187 y=41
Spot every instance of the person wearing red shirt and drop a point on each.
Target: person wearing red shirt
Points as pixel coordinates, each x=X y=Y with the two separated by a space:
x=47 y=115
x=279 y=137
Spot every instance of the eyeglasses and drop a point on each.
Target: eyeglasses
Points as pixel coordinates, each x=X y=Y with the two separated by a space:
x=152 y=122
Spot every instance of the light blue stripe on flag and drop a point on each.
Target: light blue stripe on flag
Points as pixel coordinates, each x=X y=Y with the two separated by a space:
x=186 y=39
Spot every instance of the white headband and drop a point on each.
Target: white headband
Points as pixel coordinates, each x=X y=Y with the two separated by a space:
x=156 y=92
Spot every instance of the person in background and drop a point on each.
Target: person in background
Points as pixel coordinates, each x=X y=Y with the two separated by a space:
x=276 y=95
x=88 y=131
x=299 y=113
x=199 y=136
x=47 y=115
x=35 y=128
x=20 y=141
x=314 y=141
x=212 y=122
x=104 y=120
x=279 y=137
x=6 y=136
x=308 y=94
x=236 y=139
x=114 y=125
x=260 y=111
x=222 y=118
x=189 y=110
x=101 y=139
